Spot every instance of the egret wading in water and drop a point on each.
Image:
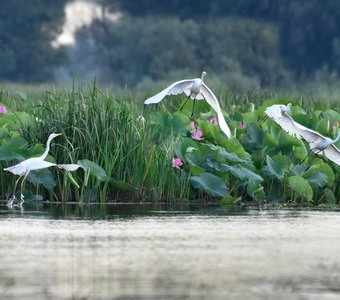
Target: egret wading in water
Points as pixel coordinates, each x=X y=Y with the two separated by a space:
x=35 y=163
x=319 y=144
x=195 y=89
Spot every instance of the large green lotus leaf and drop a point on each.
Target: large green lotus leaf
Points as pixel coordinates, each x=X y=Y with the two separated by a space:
x=333 y=115
x=8 y=150
x=300 y=152
x=211 y=184
x=92 y=168
x=329 y=196
x=304 y=120
x=295 y=109
x=276 y=166
x=256 y=191
x=242 y=173
x=301 y=187
x=270 y=141
x=180 y=123
x=232 y=145
x=318 y=179
x=9 y=121
x=183 y=146
x=253 y=138
x=323 y=126
x=44 y=177
x=286 y=140
x=249 y=118
x=328 y=171
x=227 y=156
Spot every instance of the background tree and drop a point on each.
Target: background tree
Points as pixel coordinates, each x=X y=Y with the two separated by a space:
x=27 y=29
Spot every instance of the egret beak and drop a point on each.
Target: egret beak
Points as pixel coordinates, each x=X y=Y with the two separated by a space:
x=57 y=134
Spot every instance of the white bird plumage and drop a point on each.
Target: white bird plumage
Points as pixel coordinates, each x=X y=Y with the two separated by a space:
x=195 y=89
x=318 y=143
x=35 y=163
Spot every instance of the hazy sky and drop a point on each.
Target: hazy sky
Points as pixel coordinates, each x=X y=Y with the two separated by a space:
x=80 y=13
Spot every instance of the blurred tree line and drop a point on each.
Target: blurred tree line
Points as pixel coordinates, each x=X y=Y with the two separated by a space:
x=273 y=41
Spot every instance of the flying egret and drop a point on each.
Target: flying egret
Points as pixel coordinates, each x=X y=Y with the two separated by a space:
x=318 y=143
x=35 y=163
x=195 y=89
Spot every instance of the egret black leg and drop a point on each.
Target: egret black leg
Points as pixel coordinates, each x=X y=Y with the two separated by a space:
x=309 y=152
x=265 y=118
x=185 y=102
x=193 y=109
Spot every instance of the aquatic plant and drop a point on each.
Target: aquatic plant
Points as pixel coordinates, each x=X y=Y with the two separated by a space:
x=162 y=154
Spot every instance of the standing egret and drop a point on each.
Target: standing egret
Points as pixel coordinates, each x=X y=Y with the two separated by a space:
x=195 y=89
x=318 y=143
x=35 y=163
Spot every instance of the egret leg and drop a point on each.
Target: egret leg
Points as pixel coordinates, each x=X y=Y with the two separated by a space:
x=265 y=118
x=185 y=102
x=21 y=189
x=309 y=152
x=11 y=200
x=193 y=109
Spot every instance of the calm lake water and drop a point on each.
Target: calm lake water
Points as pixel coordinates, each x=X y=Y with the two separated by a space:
x=165 y=252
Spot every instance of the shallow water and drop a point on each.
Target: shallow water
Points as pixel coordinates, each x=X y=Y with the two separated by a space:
x=157 y=252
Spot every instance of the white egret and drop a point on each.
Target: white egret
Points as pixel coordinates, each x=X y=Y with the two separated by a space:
x=35 y=163
x=195 y=89
x=318 y=143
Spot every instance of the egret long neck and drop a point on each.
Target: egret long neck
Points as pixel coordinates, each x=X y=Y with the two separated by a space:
x=203 y=74
x=50 y=138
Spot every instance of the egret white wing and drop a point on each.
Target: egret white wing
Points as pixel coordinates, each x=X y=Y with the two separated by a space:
x=68 y=167
x=210 y=97
x=213 y=102
x=17 y=169
x=174 y=89
x=274 y=111
x=288 y=124
x=333 y=154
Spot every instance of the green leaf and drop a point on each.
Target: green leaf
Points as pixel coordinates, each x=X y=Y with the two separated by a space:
x=301 y=187
x=44 y=177
x=256 y=191
x=183 y=145
x=318 y=179
x=211 y=184
x=8 y=150
x=276 y=166
x=242 y=173
x=329 y=196
x=92 y=168
x=180 y=123
x=253 y=138
x=323 y=126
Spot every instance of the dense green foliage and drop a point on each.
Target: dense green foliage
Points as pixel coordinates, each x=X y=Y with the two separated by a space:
x=131 y=158
x=267 y=42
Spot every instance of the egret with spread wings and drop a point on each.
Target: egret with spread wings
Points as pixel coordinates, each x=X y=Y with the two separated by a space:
x=35 y=163
x=195 y=89
x=318 y=143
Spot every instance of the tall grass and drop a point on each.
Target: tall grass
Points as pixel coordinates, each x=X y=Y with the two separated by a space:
x=110 y=132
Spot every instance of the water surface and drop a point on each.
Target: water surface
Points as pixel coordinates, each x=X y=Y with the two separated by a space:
x=166 y=252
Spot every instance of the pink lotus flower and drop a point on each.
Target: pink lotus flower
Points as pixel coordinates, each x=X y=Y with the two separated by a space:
x=241 y=126
x=3 y=109
x=213 y=120
x=193 y=125
x=197 y=135
x=177 y=163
